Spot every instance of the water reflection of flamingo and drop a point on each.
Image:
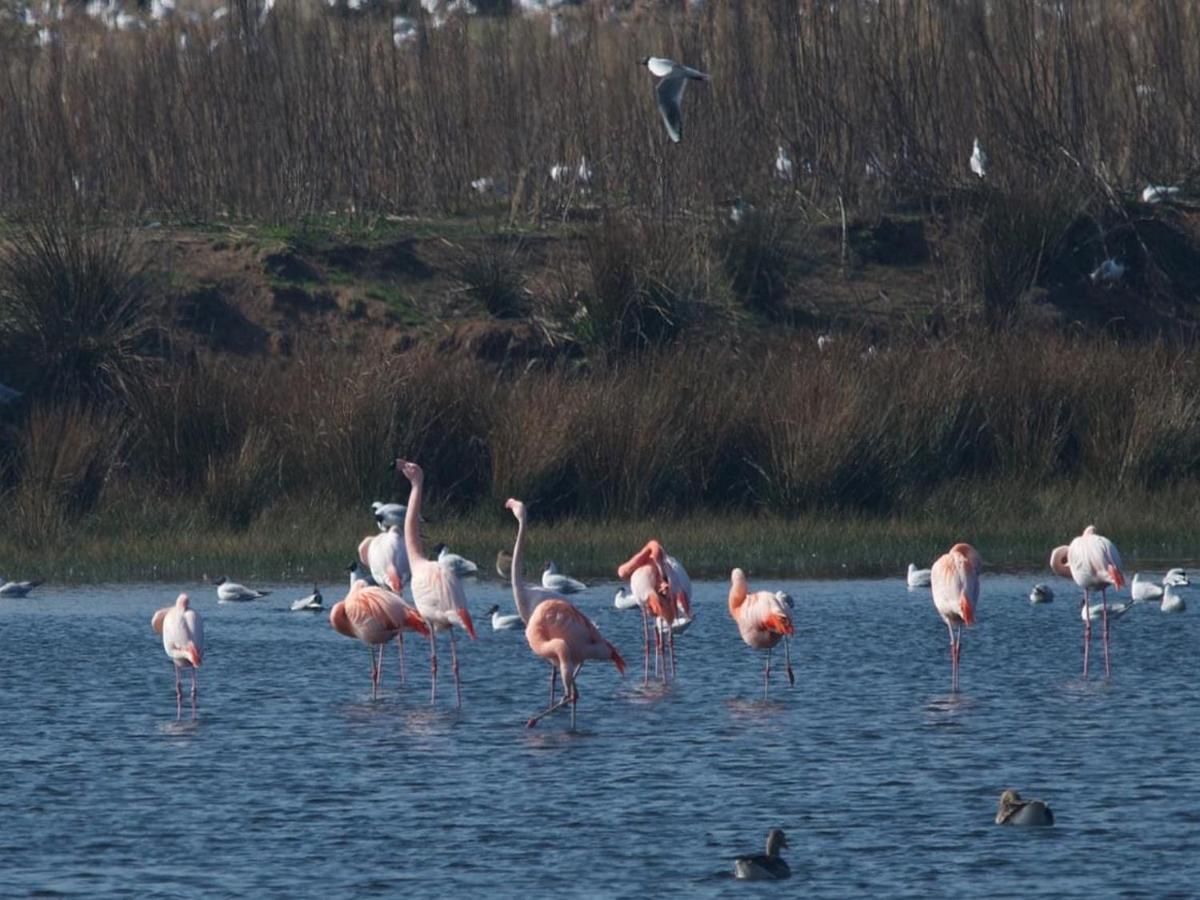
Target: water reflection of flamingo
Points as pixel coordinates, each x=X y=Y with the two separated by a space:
x=182 y=633
x=1093 y=562
x=555 y=629
x=436 y=590
x=375 y=615
x=954 y=581
x=763 y=619
x=649 y=581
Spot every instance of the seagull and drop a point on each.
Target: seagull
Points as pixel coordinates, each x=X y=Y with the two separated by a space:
x=358 y=572
x=824 y=341
x=1171 y=601
x=559 y=172
x=312 y=603
x=584 y=173
x=1095 y=611
x=1041 y=593
x=1109 y=270
x=785 y=598
x=624 y=599
x=404 y=30
x=563 y=584
x=388 y=514
x=1156 y=193
x=1150 y=592
x=673 y=78
x=452 y=562
x=228 y=592
x=16 y=588
x=502 y=622
x=783 y=164
x=918 y=577
x=979 y=160
x=764 y=866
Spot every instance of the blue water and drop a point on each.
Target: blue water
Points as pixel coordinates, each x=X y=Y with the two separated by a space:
x=293 y=782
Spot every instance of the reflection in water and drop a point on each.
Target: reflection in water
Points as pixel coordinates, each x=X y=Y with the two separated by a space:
x=945 y=709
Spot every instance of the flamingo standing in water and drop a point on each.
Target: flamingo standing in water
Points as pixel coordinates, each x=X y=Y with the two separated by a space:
x=182 y=633
x=436 y=590
x=649 y=581
x=375 y=615
x=763 y=619
x=1093 y=562
x=387 y=558
x=954 y=582
x=555 y=629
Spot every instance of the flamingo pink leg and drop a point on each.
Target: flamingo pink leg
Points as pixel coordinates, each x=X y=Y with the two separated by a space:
x=645 y=647
x=195 y=694
x=178 y=695
x=432 y=664
x=953 y=658
x=767 y=674
x=454 y=668
x=674 y=671
x=403 y=667
x=1104 y=602
x=1087 y=633
x=553 y=706
x=787 y=652
x=553 y=676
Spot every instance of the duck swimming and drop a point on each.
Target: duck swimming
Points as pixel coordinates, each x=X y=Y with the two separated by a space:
x=1015 y=811
x=767 y=866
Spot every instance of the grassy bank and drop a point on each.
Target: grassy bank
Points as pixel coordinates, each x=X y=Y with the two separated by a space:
x=1014 y=527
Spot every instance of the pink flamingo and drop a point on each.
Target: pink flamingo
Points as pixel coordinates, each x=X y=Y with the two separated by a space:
x=375 y=615
x=555 y=629
x=1093 y=562
x=649 y=581
x=954 y=581
x=436 y=590
x=386 y=557
x=763 y=620
x=182 y=633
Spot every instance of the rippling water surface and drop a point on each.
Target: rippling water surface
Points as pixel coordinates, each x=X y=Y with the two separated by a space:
x=293 y=782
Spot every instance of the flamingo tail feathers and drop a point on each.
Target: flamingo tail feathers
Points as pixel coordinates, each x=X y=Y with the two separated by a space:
x=194 y=654
x=778 y=624
x=395 y=582
x=413 y=620
x=1115 y=576
x=616 y=658
x=966 y=610
x=465 y=618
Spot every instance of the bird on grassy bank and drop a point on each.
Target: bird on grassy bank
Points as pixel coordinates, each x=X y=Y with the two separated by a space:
x=459 y=565
x=954 y=583
x=553 y=580
x=672 y=79
x=1041 y=593
x=784 y=168
x=648 y=582
x=375 y=615
x=436 y=590
x=1109 y=270
x=230 y=592
x=556 y=630
x=769 y=866
x=501 y=622
x=979 y=160
x=182 y=632
x=314 y=602
x=17 y=588
x=1092 y=562
x=1015 y=811
x=917 y=577
x=1156 y=193
x=1149 y=592
x=763 y=620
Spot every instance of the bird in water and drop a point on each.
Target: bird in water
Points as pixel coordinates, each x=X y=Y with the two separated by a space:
x=769 y=866
x=312 y=603
x=387 y=558
x=672 y=79
x=553 y=580
x=375 y=615
x=917 y=577
x=1092 y=561
x=17 y=588
x=359 y=572
x=954 y=583
x=436 y=591
x=556 y=630
x=763 y=620
x=230 y=592
x=182 y=632
x=388 y=515
x=1015 y=811
x=1171 y=601
x=1147 y=591
x=626 y=600
x=649 y=583
x=1041 y=593
x=502 y=622
x=459 y=565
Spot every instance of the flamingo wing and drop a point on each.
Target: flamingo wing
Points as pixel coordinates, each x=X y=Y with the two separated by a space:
x=559 y=620
x=946 y=582
x=439 y=592
x=157 y=621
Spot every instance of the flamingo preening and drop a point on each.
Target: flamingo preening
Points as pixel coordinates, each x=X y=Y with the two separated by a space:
x=763 y=619
x=182 y=633
x=1093 y=562
x=954 y=582
x=375 y=615
x=555 y=629
x=649 y=581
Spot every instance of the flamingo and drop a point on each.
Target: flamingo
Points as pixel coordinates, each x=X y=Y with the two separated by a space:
x=626 y=600
x=647 y=576
x=387 y=558
x=954 y=582
x=555 y=629
x=1093 y=562
x=375 y=615
x=182 y=633
x=436 y=591
x=763 y=619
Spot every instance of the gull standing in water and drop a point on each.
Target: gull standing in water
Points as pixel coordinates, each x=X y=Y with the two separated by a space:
x=182 y=633
x=673 y=78
x=1092 y=562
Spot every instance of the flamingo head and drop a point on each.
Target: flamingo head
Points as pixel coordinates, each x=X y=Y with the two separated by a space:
x=411 y=471
x=517 y=507
x=182 y=601
x=1091 y=529
x=737 y=577
x=969 y=555
x=359 y=585
x=1058 y=562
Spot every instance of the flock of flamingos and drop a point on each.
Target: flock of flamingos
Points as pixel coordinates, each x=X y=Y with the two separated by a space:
x=564 y=637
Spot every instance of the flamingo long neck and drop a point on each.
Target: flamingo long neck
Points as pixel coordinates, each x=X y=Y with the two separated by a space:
x=412 y=524
x=737 y=596
x=524 y=607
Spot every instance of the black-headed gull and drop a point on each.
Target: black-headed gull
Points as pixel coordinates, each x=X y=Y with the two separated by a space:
x=229 y=592
x=672 y=79
x=1150 y=592
x=918 y=577
x=314 y=602
x=388 y=514
x=783 y=164
x=452 y=562
x=979 y=160
x=501 y=622
x=553 y=580
x=16 y=588
x=1041 y=593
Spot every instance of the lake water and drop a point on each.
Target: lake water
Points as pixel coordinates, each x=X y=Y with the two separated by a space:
x=293 y=782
